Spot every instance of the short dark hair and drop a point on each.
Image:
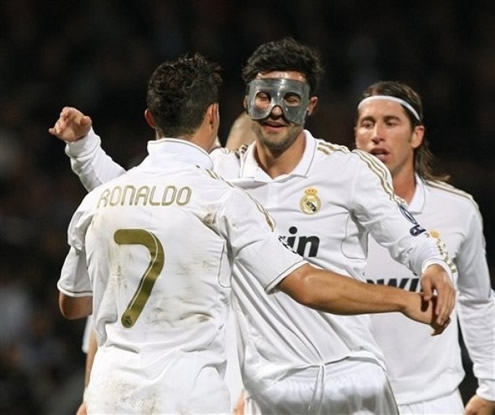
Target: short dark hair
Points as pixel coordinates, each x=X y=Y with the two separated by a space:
x=423 y=157
x=180 y=92
x=285 y=54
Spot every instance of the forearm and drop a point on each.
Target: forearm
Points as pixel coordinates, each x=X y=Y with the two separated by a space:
x=90 y=162
x=75 y=307
x=338 y=294
x=334 y=293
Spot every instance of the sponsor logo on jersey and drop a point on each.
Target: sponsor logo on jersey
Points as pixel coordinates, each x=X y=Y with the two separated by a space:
x=306 y=246
x=410 y=284
x=310 y=202
x=417 y=229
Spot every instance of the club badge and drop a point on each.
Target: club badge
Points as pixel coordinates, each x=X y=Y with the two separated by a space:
x=310 y=202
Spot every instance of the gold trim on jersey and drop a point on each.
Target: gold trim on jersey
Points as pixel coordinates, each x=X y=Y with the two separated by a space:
x=450 y=189
x=382 y=173
x=310 y=203
x=328 y=148
x=269 y=220
x=442 y=249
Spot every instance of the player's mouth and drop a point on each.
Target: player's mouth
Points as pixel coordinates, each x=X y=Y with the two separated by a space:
x=380 y=153
x=271 y=125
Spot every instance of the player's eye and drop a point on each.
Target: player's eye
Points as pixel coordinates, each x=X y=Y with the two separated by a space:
x=292 y=99
x=367 y=124
x=262 y=100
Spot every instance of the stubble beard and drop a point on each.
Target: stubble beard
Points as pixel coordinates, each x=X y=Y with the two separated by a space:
x=277 y=144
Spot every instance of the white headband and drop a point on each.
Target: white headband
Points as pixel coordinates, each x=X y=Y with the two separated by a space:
x=390 y=98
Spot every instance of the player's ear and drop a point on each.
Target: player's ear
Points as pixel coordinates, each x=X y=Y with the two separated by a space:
x=312 y=104
x=213 y=114
x=149 y=118
x=244 y=102
x=417 y=136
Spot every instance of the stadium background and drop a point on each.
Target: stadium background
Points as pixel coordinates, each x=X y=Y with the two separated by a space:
x=98 y=55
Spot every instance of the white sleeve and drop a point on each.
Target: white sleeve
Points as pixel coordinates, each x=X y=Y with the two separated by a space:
x=226 y=163
x=386 y=217
x=248 y=228
x=90 y=162
x=476 y=306
x=74 y=278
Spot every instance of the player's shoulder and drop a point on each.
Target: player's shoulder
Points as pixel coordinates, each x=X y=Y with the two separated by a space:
x=448 y=194
x=325 y=149
x=227 y=162
x=211 y=181
x=224 y=152
x=331 y=151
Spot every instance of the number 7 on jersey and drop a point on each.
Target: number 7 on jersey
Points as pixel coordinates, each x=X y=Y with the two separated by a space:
x=157 y=260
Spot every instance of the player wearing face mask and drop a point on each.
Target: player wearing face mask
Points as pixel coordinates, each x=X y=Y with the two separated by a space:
x=325 y=200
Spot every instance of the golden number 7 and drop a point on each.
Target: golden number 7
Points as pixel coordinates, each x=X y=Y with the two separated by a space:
x=143 y=291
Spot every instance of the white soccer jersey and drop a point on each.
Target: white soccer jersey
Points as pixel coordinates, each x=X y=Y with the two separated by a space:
x=415 y=358
x=323 y=209
x=159 y=242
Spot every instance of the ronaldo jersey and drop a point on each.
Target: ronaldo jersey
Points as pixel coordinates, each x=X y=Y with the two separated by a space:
x=324 y=210
x=155 y=247
x=415 y=358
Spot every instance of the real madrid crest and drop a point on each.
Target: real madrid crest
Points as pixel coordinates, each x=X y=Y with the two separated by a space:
x=310 y=202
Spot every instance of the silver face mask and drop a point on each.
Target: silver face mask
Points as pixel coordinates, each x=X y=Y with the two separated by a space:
x=291 y=96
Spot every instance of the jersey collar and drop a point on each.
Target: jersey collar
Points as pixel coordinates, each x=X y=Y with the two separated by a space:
x=418 y=200
x=251 y=169
x=180 y=150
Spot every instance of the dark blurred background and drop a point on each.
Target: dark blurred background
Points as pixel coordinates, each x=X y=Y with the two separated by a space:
x=98 y=55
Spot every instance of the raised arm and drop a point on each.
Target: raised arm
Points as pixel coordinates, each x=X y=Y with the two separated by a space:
x=88 y=160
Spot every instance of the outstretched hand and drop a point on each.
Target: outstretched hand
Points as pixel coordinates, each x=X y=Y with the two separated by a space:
x=436 y=281
x=71 y=125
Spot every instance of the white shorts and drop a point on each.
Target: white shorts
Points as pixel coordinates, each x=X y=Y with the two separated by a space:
x=448 y=404
x=351 y=386
x=184 y=384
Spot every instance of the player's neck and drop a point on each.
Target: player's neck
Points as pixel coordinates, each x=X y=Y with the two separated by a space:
x=405 y=183
x=277 y=163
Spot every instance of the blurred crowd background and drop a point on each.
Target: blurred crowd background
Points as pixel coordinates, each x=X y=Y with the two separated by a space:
x=98 y=55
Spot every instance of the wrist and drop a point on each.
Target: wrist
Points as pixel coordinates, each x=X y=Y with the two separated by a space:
x=83 y=145
x=429 y=262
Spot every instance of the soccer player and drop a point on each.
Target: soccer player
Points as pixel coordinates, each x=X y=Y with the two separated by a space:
x=390 y=126
x=325 y=199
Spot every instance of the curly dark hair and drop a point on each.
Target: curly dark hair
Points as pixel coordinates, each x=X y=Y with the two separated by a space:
x=180 y=92
x=423 y=157
x=285 y=54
